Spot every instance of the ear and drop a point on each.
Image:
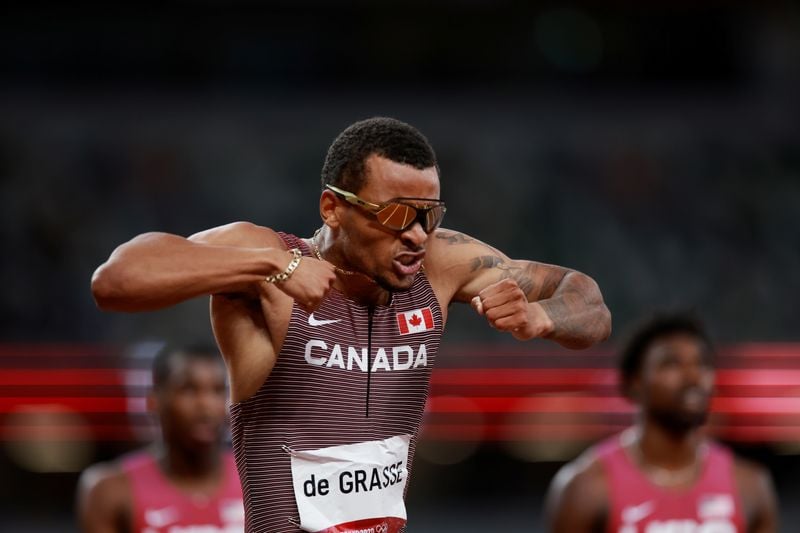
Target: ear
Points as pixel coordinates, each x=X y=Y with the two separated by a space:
x=328 y=208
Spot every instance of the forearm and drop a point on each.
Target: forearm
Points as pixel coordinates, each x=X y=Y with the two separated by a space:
x=579 y=316
x=157 y=270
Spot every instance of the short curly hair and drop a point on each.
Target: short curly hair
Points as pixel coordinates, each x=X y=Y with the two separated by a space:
x=644 y=334
x=345 y=162
x=164 y=360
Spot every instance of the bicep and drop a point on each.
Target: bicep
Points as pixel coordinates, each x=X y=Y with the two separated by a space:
x=102 y=504
x=471 y=265
x=575 y=503
x=238 y=234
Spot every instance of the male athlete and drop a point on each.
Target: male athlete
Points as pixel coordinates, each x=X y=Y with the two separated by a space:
x=187 y=482
x=663 y=475
x=330 y=340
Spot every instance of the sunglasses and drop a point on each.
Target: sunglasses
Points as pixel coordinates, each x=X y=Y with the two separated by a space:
x=399 y=213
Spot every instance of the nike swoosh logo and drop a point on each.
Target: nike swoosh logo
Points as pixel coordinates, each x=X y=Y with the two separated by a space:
x=314 y=322
x=160 y=517
x=635 y=513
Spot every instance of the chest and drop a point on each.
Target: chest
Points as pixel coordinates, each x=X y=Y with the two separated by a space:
x=340 y=335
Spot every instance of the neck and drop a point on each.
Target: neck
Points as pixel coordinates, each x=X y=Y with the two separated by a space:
x=666 y=457
x=355 y=284
x=181 y=464
x=364 y=292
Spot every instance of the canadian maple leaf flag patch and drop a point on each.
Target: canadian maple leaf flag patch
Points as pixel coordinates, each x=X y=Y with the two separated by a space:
x=415 y=321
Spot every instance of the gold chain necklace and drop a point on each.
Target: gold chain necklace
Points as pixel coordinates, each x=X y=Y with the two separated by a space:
x=336 y=268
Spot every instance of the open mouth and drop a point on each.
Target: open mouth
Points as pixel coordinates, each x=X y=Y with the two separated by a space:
x=408 y=264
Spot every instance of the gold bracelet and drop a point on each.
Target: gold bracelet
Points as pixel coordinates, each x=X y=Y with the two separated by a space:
x=283 y=276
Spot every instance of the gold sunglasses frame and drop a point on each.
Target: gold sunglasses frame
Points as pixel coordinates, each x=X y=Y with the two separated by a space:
x=377 y=208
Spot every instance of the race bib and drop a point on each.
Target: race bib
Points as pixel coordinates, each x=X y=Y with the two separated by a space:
x=353 y=488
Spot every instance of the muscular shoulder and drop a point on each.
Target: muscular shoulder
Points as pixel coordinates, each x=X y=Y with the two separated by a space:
x=577 y=499
x=750 y=477
x=461 y=266
x=104 y=480
x=449 y=248
x=103 y=495
x=245 y=234
x=584 y=477
x=454 y=260
x=757 y=493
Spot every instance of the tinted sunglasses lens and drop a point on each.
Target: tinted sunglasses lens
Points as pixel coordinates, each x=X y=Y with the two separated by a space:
x=433 y=217
x=397 y=216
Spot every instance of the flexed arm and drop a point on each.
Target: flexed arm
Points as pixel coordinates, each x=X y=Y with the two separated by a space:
x=526 y=298
x=564 y=305
x=157 y=270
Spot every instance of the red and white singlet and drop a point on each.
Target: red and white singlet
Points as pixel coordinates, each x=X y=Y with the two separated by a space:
x=160 y=507
x=637 y=505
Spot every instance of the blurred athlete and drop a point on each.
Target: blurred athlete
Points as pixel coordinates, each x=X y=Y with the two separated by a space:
x=664 y=475
x=330 y=340
x=186 y=482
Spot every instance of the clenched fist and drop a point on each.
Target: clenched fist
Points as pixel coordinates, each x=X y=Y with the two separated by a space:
x=309 y=283
x=506 y=308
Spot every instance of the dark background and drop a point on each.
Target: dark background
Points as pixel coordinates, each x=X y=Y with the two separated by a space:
x=654 y=146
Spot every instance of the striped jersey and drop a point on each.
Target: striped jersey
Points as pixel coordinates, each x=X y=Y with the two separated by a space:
x=346 y=374
x=637 y=505
x=158 y=506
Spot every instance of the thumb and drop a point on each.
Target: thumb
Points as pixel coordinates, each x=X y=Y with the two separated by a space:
x=477 y=305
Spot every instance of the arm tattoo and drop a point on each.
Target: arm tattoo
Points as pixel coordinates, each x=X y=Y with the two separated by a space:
x=548 y=280
x=525 y=283
x=517 y=273
x=578 y=311
x=567 y=312
x=454 y=238
x=535 y=282
x=489 y=261
x=571 y=300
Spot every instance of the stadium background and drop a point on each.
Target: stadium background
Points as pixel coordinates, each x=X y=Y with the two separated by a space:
x=655 y=147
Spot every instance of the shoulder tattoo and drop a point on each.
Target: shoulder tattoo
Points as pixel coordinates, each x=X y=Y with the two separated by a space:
x=453 y=237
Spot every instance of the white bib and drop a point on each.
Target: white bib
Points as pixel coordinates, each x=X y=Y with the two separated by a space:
x=354 y=488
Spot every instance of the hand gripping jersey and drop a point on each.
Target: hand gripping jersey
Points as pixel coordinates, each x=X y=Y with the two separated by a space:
x=160 y=507
x=327 y=441
x=711 y=505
